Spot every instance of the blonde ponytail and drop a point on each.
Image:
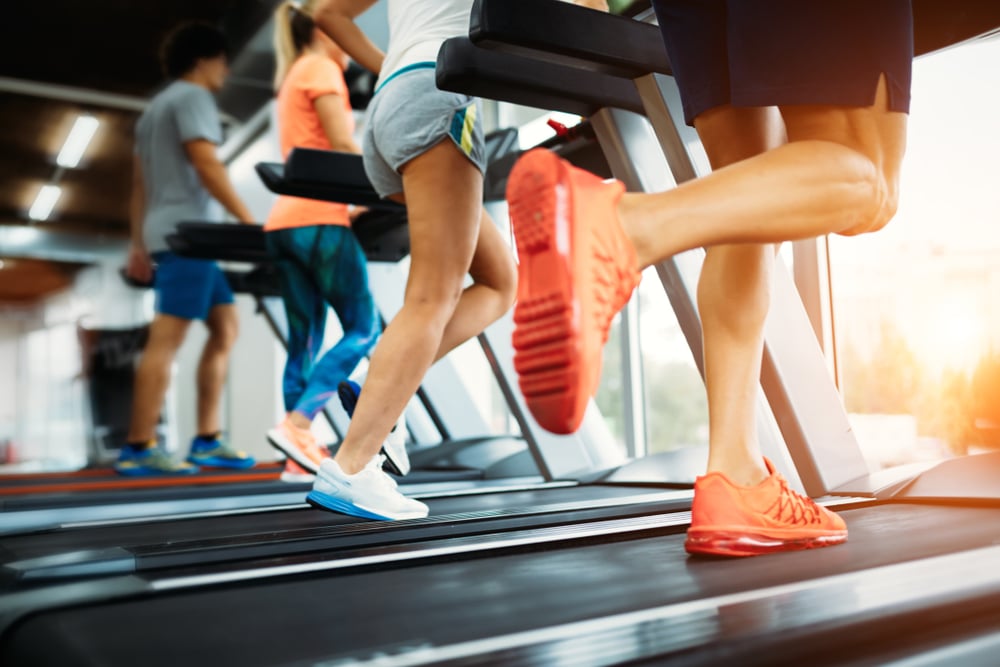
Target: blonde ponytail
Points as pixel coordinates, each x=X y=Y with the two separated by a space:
x=293 y=28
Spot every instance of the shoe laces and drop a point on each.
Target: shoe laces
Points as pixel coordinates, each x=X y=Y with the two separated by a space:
x=615 y=284
x=794 y=507
x=305 y=441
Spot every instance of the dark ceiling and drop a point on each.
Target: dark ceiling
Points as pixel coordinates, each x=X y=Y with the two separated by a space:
x=104 y=52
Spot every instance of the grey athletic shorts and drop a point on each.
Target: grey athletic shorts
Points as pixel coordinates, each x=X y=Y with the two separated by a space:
x=408 y=116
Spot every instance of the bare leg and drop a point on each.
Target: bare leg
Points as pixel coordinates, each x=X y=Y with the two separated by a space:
x=494 y=286
x=443 y=193
x=734 y=288
x=223 y=327
x=733 y=298
x=838 y=173
x=166 y=334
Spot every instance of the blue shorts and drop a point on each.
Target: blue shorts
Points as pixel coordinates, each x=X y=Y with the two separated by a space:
x=188 y=288
x=757 y=53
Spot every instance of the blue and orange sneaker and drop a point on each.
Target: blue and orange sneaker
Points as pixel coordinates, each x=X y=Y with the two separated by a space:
x=294 y=473
x=215 y=453
x=150 y=461
x=576 y=270
x=732 y=520
x=298 y=445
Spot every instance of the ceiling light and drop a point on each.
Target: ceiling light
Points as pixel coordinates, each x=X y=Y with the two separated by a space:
x=45 y=202
x=77 y=141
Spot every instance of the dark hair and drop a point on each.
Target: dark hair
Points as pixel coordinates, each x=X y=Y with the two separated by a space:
x=188 y=43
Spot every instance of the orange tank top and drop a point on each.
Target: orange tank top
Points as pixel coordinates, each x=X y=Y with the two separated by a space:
x=310 y=77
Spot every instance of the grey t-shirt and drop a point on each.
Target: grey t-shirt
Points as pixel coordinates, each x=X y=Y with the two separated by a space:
x=181 y=112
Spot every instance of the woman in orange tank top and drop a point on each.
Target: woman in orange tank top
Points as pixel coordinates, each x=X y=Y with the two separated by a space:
x=319 y=261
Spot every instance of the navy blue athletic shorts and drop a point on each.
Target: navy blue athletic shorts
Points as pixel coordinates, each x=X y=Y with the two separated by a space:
x=750 y=53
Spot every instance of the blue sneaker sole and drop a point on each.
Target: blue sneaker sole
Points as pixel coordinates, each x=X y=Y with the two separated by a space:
x=323 y=501
x=213 y=462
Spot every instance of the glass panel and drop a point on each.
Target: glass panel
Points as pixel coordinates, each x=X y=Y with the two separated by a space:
x=610 y=396
x=676 y=406
x=917 y=322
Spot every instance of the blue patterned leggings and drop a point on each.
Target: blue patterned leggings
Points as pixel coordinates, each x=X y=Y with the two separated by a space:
x=316 y=266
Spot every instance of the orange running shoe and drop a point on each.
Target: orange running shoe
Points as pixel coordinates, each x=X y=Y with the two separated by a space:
x=576 y=270
x=731 y=520
x=293 y=473
x=298 y=444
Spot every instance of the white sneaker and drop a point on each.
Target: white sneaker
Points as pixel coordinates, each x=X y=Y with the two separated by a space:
x=397 y=461
x=370 y=494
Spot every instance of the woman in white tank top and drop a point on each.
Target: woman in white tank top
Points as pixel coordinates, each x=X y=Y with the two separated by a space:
x=423 y=147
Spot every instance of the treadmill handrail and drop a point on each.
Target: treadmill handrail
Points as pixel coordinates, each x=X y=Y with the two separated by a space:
x=323 y=175
x=585 y=38
x=463 y=67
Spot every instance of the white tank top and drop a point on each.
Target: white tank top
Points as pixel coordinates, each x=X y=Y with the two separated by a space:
x=417 y=28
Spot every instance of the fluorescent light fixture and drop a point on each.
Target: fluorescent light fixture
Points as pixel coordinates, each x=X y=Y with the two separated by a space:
x=77 y=141
x=45 y=202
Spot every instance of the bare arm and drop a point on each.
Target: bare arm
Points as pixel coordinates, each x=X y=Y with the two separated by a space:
x=212 y=174
x=335 y=121
x=139 y=265
x=336 y=18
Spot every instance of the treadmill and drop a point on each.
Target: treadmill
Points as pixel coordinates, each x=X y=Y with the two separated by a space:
x=50 y=500
x=622 y=591
x=100 y=548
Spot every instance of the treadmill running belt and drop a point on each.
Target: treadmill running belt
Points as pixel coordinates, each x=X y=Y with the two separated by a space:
x=361 y=614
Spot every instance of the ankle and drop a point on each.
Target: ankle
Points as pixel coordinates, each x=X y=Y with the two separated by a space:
x=298 y=420
x=349 y=465
x=741 y=471
x=141 y=445
x=628 y=220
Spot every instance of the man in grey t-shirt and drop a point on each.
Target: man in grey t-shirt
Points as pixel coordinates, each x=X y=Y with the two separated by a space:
x=178 y=177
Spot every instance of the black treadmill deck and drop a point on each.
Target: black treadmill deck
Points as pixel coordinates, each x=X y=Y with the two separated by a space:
x=357 y=615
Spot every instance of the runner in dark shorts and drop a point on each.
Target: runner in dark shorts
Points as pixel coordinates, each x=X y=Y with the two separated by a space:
x=801 y=107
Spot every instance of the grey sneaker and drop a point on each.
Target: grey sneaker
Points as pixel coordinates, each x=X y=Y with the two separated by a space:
x=150 y=461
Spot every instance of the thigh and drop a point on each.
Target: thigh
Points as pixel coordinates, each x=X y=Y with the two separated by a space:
x=341 y=272
x=290 y=249
x=730 y=134
x=443 y=194
x=167 y=332
x=223 y=323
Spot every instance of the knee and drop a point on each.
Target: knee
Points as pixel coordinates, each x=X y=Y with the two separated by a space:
x=885 y=202
x=433 y=303
x=877 y=197
x=506 y=285
x=223 y=334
